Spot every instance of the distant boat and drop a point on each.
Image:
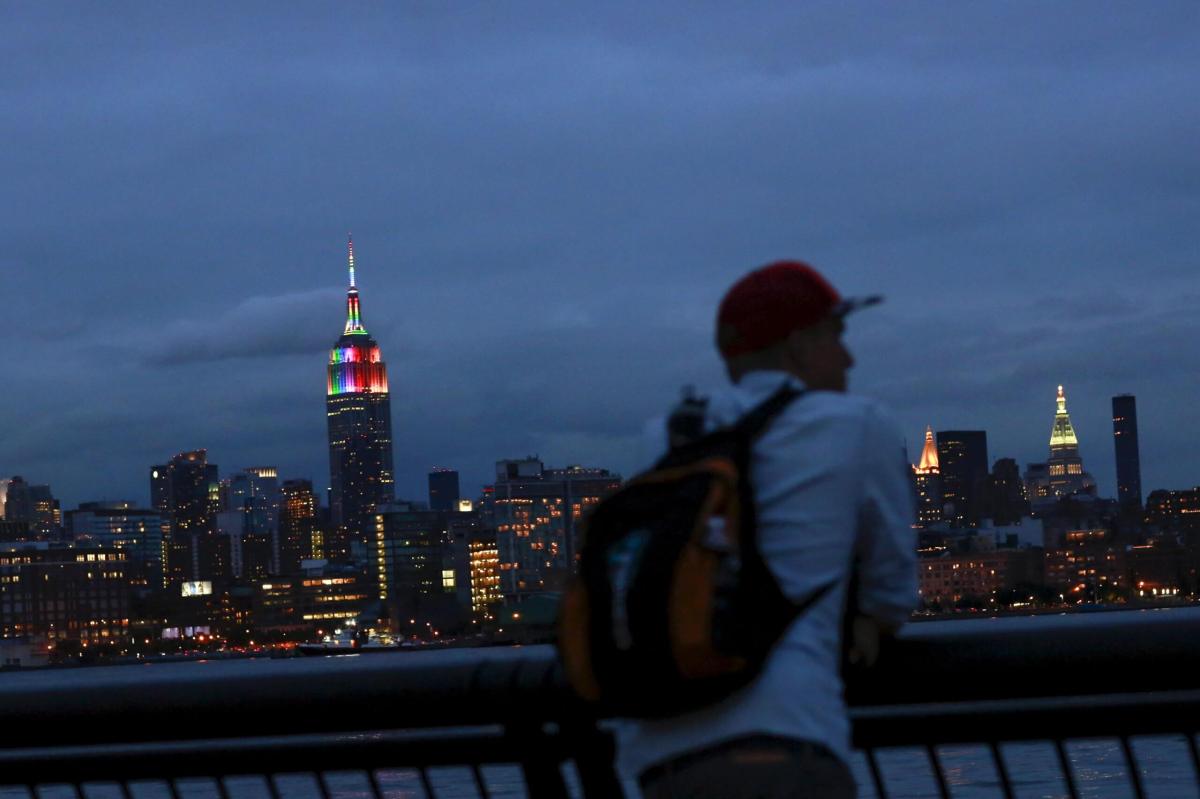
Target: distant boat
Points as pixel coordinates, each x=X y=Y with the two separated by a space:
x=352 y=642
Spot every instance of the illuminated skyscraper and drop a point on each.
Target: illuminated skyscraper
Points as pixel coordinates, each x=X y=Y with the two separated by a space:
x=360 y=424
x=928 y=478
x=1066 y=466
x=1125 y=439
x=186 y=491
x=249 y=519
x=536 y=513
x=298 y=538
x=1063 y=474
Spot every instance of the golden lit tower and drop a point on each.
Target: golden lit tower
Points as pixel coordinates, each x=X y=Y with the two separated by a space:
x=1065 y=466
x=927 y=476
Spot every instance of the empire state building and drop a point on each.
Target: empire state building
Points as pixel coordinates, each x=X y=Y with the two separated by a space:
x=360 y=424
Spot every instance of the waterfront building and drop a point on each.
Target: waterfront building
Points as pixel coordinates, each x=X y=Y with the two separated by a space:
x=141 y=532
x=1087 y=565
x=443 y=490
x=413 y=569
x=963 y=459
x=945 y=577
x=1125 y=443
x=1174 y=511
x=536 y=513
x=298 y=539
x=186 y=491
x=927 y=477
x=64 y=594
x=359 y=411
x=1162 y=567
x=321 y=598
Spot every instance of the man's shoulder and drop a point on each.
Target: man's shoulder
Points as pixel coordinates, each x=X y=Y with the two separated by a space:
x=839 y=405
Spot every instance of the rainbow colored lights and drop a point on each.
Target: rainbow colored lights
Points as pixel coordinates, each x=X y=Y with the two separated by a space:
x=357 y=378
x=355 y=366
x=355 y=354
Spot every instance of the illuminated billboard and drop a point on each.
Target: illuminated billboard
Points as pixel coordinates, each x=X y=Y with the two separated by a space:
x=197 y=588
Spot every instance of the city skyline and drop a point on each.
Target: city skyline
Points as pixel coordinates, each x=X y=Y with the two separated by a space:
x=353 y=327
x=551 y=207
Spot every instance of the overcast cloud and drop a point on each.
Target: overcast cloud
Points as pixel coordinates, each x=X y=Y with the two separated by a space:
x=548 y=203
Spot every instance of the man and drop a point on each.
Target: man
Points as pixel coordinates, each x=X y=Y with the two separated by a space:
x=833 y=499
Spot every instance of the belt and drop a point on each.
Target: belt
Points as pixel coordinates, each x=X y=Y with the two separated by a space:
x=794 y=745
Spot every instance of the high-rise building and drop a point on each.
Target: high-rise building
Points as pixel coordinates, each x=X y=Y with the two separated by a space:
x=484 y=567
x=963 y=458
x=35 y=505
x=1063 y=474
x=18 y=505
x=443 y=490
x=141 y=532
x=536 y=513
x=249 y=519
x=360 y=424
x=414 y=568
x=297 y=525
x=1125 y=440
x=927 y=476
x=1007 y=502
x=187 y=492
x=1066 y=466
x=47 y=514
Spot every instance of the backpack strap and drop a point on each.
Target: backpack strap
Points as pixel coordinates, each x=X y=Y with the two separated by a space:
x=758 y=418
x=777 y=610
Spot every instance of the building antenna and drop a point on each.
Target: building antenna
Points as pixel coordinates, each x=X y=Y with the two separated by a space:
x=350 y=245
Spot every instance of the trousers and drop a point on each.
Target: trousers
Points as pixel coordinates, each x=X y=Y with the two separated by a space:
x=754 y=767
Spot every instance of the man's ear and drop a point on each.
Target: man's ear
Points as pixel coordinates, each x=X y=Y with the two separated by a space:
x=797 y=346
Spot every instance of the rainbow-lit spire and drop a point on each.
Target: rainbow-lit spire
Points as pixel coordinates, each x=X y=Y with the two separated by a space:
x=354 y=325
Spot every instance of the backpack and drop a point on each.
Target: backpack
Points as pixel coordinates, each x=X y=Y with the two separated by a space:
x=673 y=607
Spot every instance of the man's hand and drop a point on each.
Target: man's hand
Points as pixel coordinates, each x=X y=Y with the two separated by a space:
x=865 y=634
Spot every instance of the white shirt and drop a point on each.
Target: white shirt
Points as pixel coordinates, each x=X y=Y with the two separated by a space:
x=832 y=485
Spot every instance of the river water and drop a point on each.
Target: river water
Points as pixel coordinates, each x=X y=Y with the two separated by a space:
x=1098 y=765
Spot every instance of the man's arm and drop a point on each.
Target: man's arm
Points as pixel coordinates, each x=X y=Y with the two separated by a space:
x=886 y=546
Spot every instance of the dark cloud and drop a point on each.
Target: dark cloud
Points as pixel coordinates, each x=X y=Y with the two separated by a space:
x=548 y=203
x=258 y=327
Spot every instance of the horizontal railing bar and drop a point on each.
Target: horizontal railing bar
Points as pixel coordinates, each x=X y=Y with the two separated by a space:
x=277 y=755
x=939 y=683
x=1036 y=718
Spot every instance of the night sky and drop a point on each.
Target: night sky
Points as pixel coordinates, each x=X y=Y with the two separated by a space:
x=547 y=205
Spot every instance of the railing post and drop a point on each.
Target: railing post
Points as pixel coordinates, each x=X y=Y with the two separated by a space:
x=595 y=754
x=540 y=761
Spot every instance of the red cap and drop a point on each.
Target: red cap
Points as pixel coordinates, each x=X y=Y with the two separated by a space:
x=772 y=301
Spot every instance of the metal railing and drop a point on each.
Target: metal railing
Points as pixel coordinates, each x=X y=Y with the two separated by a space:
x=499 y=722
